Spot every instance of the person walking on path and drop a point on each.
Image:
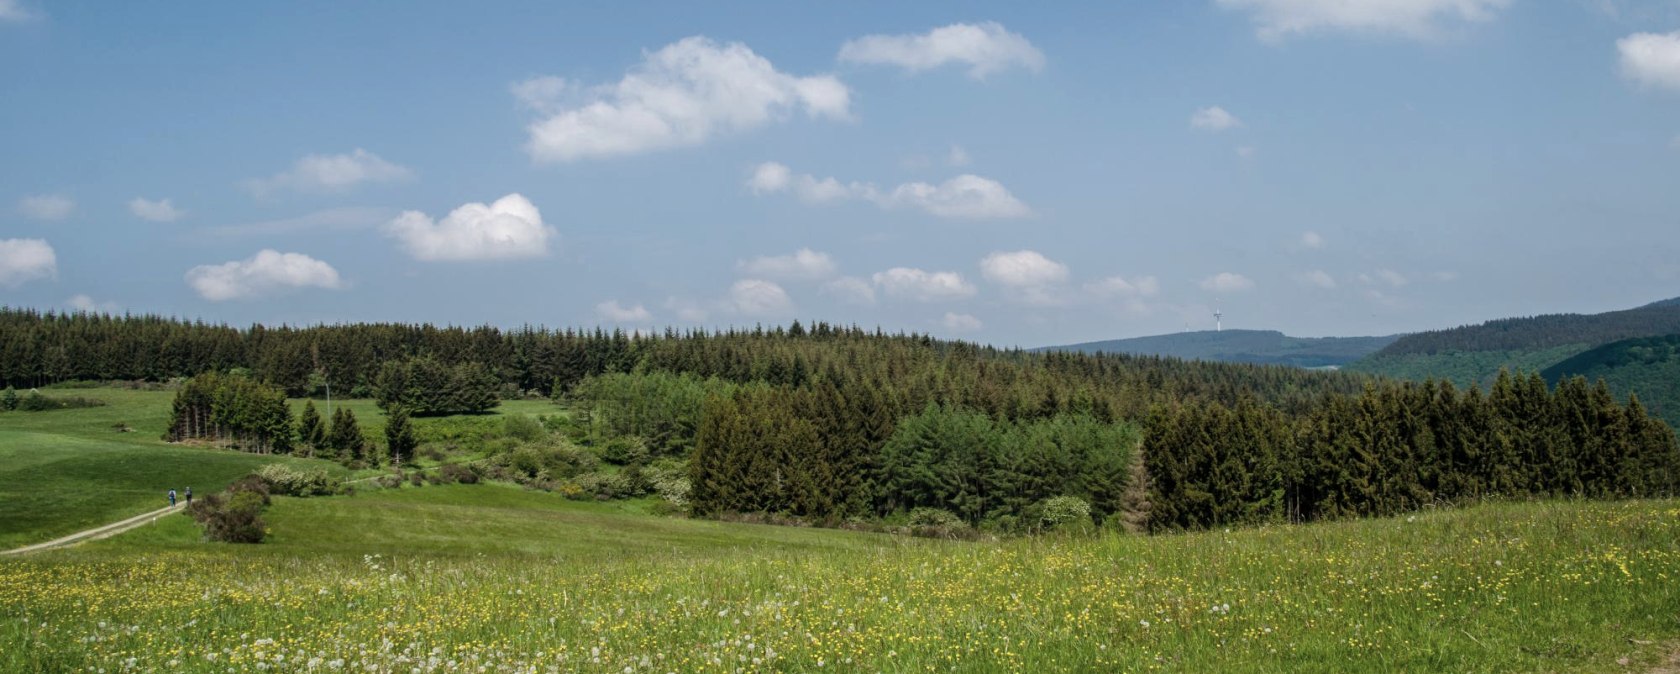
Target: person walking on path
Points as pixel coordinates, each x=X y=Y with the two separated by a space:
x=189 y=495
x=172 y=498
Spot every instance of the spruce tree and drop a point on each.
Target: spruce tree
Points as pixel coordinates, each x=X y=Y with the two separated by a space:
x=9 y=401
x=346 y=435
x=311 y=431
x=399 y=437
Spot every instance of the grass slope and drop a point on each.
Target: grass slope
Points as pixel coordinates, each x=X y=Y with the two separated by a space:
x=63 y=471
x=454 y=578
x=1242 y=346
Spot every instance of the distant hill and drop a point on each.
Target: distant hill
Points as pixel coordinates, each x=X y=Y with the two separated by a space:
x=1649 y=366
x=1268 y=347
x=1633 y=350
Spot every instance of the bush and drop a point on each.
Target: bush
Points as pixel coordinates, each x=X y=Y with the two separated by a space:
x=599 y=486
x=624 y=450
x=9 y=401
x=524 y=428
x=936 y=517
x=287 y=481
x=35 y=402
x=456 y=473
x=231 y=517
x=1064 y=513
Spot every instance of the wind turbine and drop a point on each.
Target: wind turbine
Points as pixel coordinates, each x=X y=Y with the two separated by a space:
x=1217 y=314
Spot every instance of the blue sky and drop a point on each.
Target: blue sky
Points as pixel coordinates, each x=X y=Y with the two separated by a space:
x=1014 y=174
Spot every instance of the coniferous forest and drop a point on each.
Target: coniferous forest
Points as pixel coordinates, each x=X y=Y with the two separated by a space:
x=828 y=423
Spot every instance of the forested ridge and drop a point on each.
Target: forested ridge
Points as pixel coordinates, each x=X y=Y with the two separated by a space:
x=830 y=424
x=1542 y=332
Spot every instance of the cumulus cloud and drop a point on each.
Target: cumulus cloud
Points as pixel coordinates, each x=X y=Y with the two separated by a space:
x=681 y=95
x=1651 y=59
x=330 y=173
x=965 y=196
x=851 y=290
x=86 y=304
x=614 y=312
x=1027 y=275
x=542 y=94
x=956 y=322
x=265 y=273
x=1214 y=119
x=1313 y=240
x=1119 y=286
x=510 y=228
x=758 y=297
x=1225 y=282
x=1275 y=20
x=1316 y=277
x=25 y=260
x=161 y=210
x=13 y=11
x=984 y=48
x=46 y=206
x=923 y=286
x=801 y=265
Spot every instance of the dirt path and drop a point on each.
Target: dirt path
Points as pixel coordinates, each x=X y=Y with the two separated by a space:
x=97 y=533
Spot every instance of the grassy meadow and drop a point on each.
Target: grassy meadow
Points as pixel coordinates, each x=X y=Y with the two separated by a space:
x=496 y=578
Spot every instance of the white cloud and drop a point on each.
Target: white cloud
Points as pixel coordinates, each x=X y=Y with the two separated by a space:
x=1316 y=277
x=1226 y=282
x=267 y=272
x=330 y=173
x=542 y=94
x=956 y=322
x=851 y=290
x=25 y=260
x=985 y=48
x=758 y=297
x=1384 y=276
x=679 y=96
x=614 y=312
x=957 y=157
x=156 y=211
x=1022 y=269
x=1313 y=240
x=965 y=196
x=86 y=304
x=507 y=229
x=1277 y=19
x=1214 y=119
x=1651 y=59
x=801 y=265
x=1118 y=286
x=1029 y=276
x=14 y=11
x=46 y=206
x=923 y=286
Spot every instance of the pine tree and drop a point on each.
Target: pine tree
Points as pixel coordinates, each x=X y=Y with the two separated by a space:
x=1135 y=502
x=311 y=431
x=399 y=437
x=346 y=435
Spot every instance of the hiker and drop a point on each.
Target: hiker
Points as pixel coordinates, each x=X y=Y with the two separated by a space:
x=189 y=495
x=172 y=498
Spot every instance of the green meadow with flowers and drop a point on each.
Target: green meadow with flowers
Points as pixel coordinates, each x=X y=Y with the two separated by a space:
x=494 y=578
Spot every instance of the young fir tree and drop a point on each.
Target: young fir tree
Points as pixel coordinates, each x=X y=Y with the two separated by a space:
x=310 y=429
x=1134 y=501
x=399 y=437
x=346 y=435
x=9 y=401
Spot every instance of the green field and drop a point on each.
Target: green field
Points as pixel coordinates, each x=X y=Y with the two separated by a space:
x=462 y=577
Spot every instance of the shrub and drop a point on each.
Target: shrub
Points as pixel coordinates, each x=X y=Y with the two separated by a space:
x=1065 y=512
x=936 y=517
x=230 y=517
x=9 y=401
x=416 y=479
x=35 y=402
x=524 y=428
x=287 y=481
x=624 y=450
x=601 y=486
x=458 y=474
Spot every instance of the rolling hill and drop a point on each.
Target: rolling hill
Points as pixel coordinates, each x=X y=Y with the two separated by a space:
x=1633 y=350
x=1267 y=347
